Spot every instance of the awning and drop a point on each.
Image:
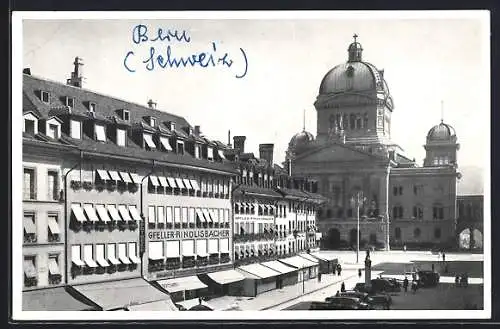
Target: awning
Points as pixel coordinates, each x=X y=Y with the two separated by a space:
x=259 y=270
x=75 y=258
x=325 y=257
x=126 y=177
x=101 y=261
x=124 y=213
x=134 y=259
x=225 y=277
x=206 y=214
x=103 y=174
x=161 y=305
x=309 y=257
x=154 y=180
x=179 y=182
x=221 y=154
x=279 y=267
x=135 y=178
x=29 y=226
x=165 y=143
x=149 y=141
x=54 y=299
x=53 y=226
x=121 y=293
x=77 y=210
x=298 y=262
x=122 y=256
x=103 y=213
x=194 y=184
x=135 y=213
x=171 y=182
x=53 y=267
x=181 y=284
x=89 y=261
x=163 y=181
x=114 y=213
x=114 y=175
x=29 y=269
x=91 y=214
x=187 y=183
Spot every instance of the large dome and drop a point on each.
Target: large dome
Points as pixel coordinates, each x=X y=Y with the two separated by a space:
x=352 y=77
x=441 y=133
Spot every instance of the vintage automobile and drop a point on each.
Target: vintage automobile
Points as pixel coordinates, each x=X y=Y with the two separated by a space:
x=377 y=301
x=347 y=303
x=378 y=286
x=428 y=278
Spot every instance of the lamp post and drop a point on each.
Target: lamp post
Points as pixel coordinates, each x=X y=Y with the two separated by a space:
x=356 y=201
x=303 y=281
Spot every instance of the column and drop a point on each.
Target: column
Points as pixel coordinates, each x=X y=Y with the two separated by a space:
x=345 y=196
x=384 y=205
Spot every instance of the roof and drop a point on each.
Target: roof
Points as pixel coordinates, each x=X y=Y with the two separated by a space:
x=256 y=190
x=441 y=132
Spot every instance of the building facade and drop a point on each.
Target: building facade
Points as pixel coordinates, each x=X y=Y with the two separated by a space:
x=366 y=175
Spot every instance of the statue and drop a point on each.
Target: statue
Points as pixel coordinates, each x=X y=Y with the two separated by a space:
x=368 y=269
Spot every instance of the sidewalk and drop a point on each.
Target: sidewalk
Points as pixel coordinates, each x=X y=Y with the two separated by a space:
x=279 y=296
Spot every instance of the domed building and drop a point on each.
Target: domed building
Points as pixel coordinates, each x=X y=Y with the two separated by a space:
x=357 y=164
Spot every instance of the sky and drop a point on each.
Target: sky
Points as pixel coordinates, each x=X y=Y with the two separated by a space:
x=426 y=61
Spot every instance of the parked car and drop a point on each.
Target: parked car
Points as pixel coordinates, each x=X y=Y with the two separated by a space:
x=394 y=281
x=377 y=301
x=385 y=285
x=428 y=278
x=347 y=303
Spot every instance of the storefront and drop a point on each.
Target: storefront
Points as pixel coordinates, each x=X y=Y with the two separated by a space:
x=258 y=279
x=288 y=274
x=55 y=299
x=183 y=288
x=223 y=283
x=307 y=269
x=123 y=294
x=327 y=262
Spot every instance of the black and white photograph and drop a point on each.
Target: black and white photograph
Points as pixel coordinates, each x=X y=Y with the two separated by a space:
x=334 y=164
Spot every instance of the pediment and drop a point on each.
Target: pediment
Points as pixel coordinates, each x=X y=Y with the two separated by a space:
x=336 y=153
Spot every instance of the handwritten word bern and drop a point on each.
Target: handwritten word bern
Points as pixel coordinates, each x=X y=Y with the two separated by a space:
x=191 y=234
x=140 y=34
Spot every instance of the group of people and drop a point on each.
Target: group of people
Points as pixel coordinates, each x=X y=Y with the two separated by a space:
x=414 y=284
x=337 y=268
x=342 y=289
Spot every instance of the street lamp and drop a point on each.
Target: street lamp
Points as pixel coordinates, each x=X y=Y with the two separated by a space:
x=356 y=201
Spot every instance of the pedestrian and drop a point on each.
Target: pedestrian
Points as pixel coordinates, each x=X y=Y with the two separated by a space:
x=200 y=300
x=359 y=273
x=339 y=269
x=432 y=267
x=334 y=268
x=414 y=286
x=405 y=284
x=457 y=280
x=444 y=257
x=337 y=294
x=319 y=277
x=342 y=287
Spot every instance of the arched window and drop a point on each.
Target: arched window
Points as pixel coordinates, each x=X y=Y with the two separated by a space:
x=437 y=233
x=397 y=233
x=416 y=232
x=352 y=122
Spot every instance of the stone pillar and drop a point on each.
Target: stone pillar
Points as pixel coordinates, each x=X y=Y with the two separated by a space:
x=384 y=206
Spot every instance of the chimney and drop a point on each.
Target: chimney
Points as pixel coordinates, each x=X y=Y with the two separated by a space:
x=76 y=79
x=151 y=104
x=197 y=130
x=229 y=138
x=266 y=152
x=27 y=71
x=239 y=143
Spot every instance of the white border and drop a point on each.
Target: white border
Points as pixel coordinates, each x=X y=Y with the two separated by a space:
x=17 y=66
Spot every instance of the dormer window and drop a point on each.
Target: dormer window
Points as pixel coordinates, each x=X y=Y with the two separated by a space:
x=30 y=124
x=53 y=128
x=44 y=96
x=92 y=107
x=180 y=147
x=126 y=115
x=210 y=153
x=76 y=129
x=165 y=143
x=100 y=132
x=152 y=121
x=120 y=137
x=70 y=102
x=172 y=126
x=148 y=142
x=197 y=151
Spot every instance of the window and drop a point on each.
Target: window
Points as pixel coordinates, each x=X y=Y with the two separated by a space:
x=29 y=191
x=437 y=233
x=29 y=228
x=210 y=153
x=53 y=231
x=70 y=102
x=177 y=217
x=76 y=129
x=120 y=137
x=92 y=107
x=100 y=133
x=180 y=147
x=126 y=115
x=160 y=218
x=53 y=185
x=197 y=151
x=170 y=218
x=397 y=233
x=397 y=212
x=148 y=142
x=53 y=131
x=29 y=126
x=30 y=272
x=152 y=122
x=44 y=96
x=151 y=216
x=54 y=271
x=437 y=212
x=418 y=212
x=416 y=233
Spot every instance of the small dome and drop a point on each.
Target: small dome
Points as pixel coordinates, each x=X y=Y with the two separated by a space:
x=354 y=46
x=300 y=139
x=441 y=132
